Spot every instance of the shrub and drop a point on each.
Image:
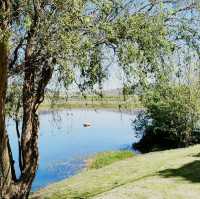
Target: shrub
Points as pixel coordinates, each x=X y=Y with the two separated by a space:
x=171 y=117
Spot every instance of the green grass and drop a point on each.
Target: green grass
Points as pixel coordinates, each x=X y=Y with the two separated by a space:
x=107 y=102
x=172 y=174
x=103 y=159
x=88 y=105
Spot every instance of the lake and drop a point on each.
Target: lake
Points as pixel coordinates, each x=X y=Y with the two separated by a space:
x=65 y=143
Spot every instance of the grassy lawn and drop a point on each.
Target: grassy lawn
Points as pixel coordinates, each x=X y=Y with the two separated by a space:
x=172 y=174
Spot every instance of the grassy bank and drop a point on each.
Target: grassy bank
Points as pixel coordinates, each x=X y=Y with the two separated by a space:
x=172 y=174
x=103 y=159
x=107 y=102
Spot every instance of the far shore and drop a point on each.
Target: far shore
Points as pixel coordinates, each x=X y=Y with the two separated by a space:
x=127 y=108
x=112 y=103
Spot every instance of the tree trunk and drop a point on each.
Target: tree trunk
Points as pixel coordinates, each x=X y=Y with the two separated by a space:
x=33 y=95
x=30 y=127
x=5 y=166
x=10 y=187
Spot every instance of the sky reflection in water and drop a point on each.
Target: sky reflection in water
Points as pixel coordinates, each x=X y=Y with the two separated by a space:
x=65 y=143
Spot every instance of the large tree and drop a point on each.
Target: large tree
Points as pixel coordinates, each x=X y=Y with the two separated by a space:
x=67 y=41
x=6 y=164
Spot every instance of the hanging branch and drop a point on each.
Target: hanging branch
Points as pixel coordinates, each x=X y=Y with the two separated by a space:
x=19 y=144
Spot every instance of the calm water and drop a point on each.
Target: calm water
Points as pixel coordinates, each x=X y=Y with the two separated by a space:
x=65 y=143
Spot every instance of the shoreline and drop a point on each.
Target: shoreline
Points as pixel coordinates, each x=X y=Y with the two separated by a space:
x=55 y=109
x=170 y=170
x=109 y=107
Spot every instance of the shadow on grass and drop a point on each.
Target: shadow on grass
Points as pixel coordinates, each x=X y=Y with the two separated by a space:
x=197 y=155
x=190 y=172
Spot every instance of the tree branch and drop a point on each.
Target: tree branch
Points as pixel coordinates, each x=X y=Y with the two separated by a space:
x=15 y=54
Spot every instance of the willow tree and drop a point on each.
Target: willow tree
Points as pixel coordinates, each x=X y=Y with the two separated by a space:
x=68 y=40
x=5 y=153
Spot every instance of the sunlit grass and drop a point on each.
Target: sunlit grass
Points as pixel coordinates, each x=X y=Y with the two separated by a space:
x=103 y=159
x=93 y=102
x=172 y=174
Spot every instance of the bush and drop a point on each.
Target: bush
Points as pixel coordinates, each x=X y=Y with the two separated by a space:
x=171 y=117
